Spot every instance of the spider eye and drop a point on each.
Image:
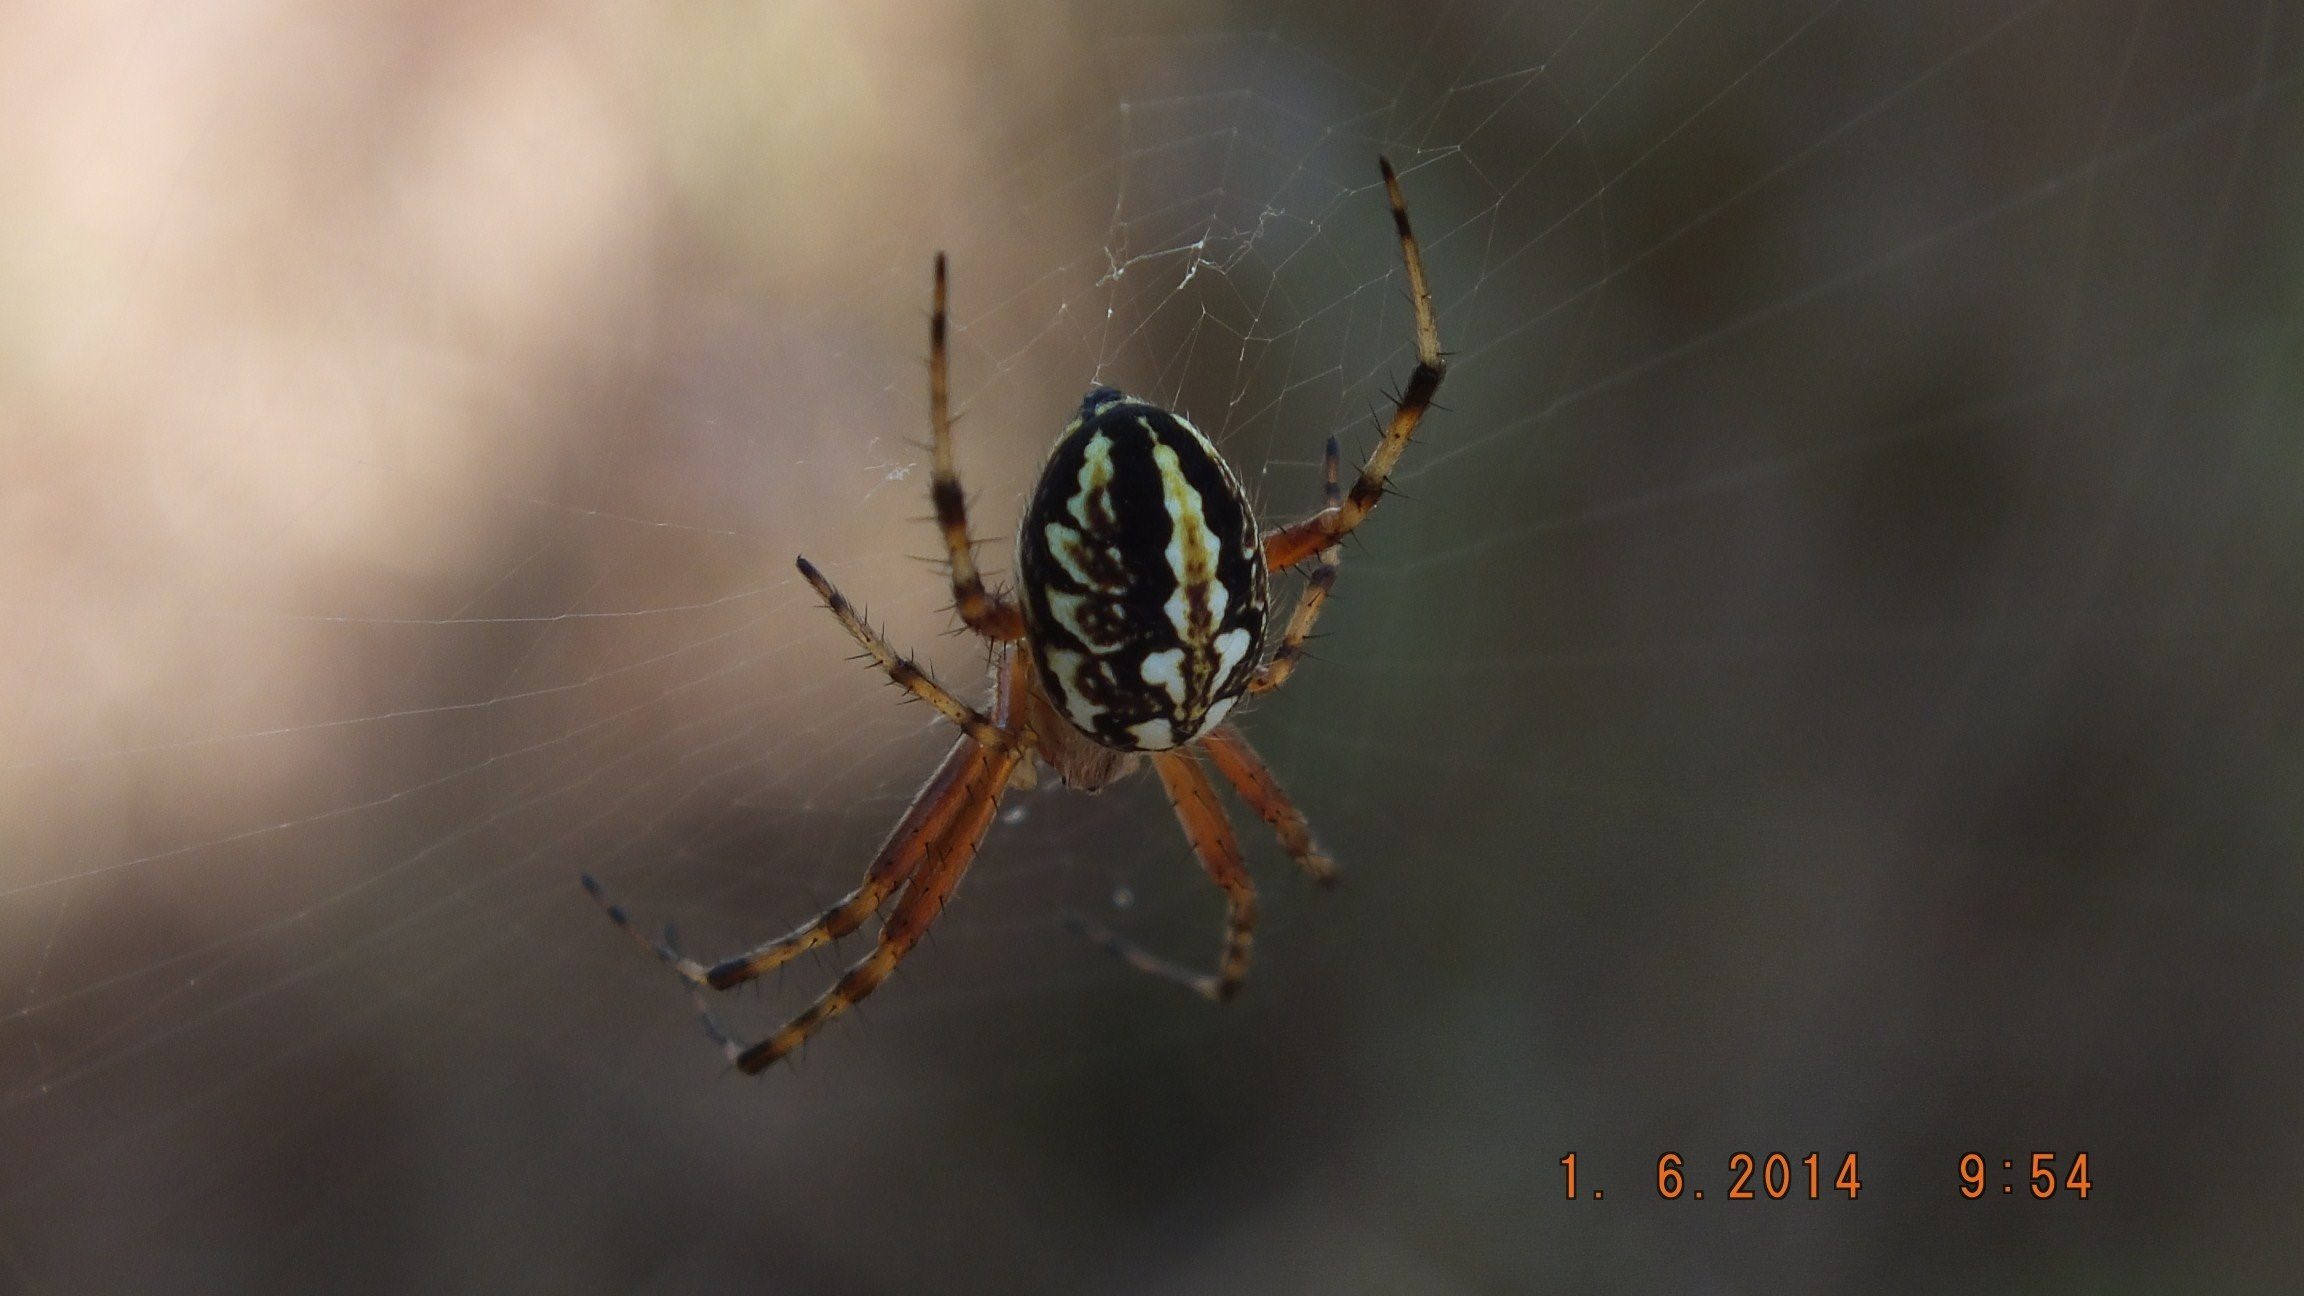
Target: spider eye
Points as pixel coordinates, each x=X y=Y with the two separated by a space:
x=1098 y=398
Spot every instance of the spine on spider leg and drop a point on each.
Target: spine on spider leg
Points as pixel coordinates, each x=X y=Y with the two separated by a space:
x=1423 y=383
x=982 y=611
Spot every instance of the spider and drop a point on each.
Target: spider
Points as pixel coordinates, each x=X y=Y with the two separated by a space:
x=1138 y=622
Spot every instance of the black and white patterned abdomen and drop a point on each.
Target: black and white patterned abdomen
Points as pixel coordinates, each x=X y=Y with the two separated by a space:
x=1142 y=580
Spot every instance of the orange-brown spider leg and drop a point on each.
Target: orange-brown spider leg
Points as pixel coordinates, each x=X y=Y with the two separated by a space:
x=990 y=615
x=901 y=669
x=1211 y=836
x=1252 y=779
x=950 y=817
x=924 y=895
x=1291 y=545
x=922 y=826
x=1275 y=672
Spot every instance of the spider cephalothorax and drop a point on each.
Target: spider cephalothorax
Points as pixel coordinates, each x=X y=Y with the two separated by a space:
x=1138 y=623
x=1140 y=576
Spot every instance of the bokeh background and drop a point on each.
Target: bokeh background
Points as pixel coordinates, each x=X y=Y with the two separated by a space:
x=1830 y=682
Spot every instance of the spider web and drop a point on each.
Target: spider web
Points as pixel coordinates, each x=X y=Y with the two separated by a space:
x=1829 y=682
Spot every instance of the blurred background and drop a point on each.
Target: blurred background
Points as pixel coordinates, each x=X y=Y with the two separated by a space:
x=1829 y=683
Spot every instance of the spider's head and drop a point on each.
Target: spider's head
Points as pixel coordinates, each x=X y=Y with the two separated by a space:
x=1097 y=398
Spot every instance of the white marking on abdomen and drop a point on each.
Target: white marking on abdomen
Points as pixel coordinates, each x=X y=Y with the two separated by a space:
x=1166 y=669
x=1215 y=715
x=1066 y=608
x=1095 y=478
x=1191 y=553
x=1154 y=735
x=1231 y=649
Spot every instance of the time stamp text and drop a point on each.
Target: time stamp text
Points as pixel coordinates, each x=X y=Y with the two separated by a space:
x=1820 y=1176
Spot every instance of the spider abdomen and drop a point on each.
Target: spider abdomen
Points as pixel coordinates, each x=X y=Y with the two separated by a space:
x=1143 y=585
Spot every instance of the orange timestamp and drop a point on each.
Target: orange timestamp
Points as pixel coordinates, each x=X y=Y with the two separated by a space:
x=2043 y=1175
x=1778 y=1176
x=1750 y=1176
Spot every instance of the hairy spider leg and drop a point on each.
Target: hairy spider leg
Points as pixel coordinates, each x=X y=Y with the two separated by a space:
x=922 y=826
x=953 y=814
x=990 y=615
x=1291 y=545
x=908 y=676
x=1210 y=833
x=1275 y=672
x=1253 y=780
x=925 y=893
x=925 y=823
